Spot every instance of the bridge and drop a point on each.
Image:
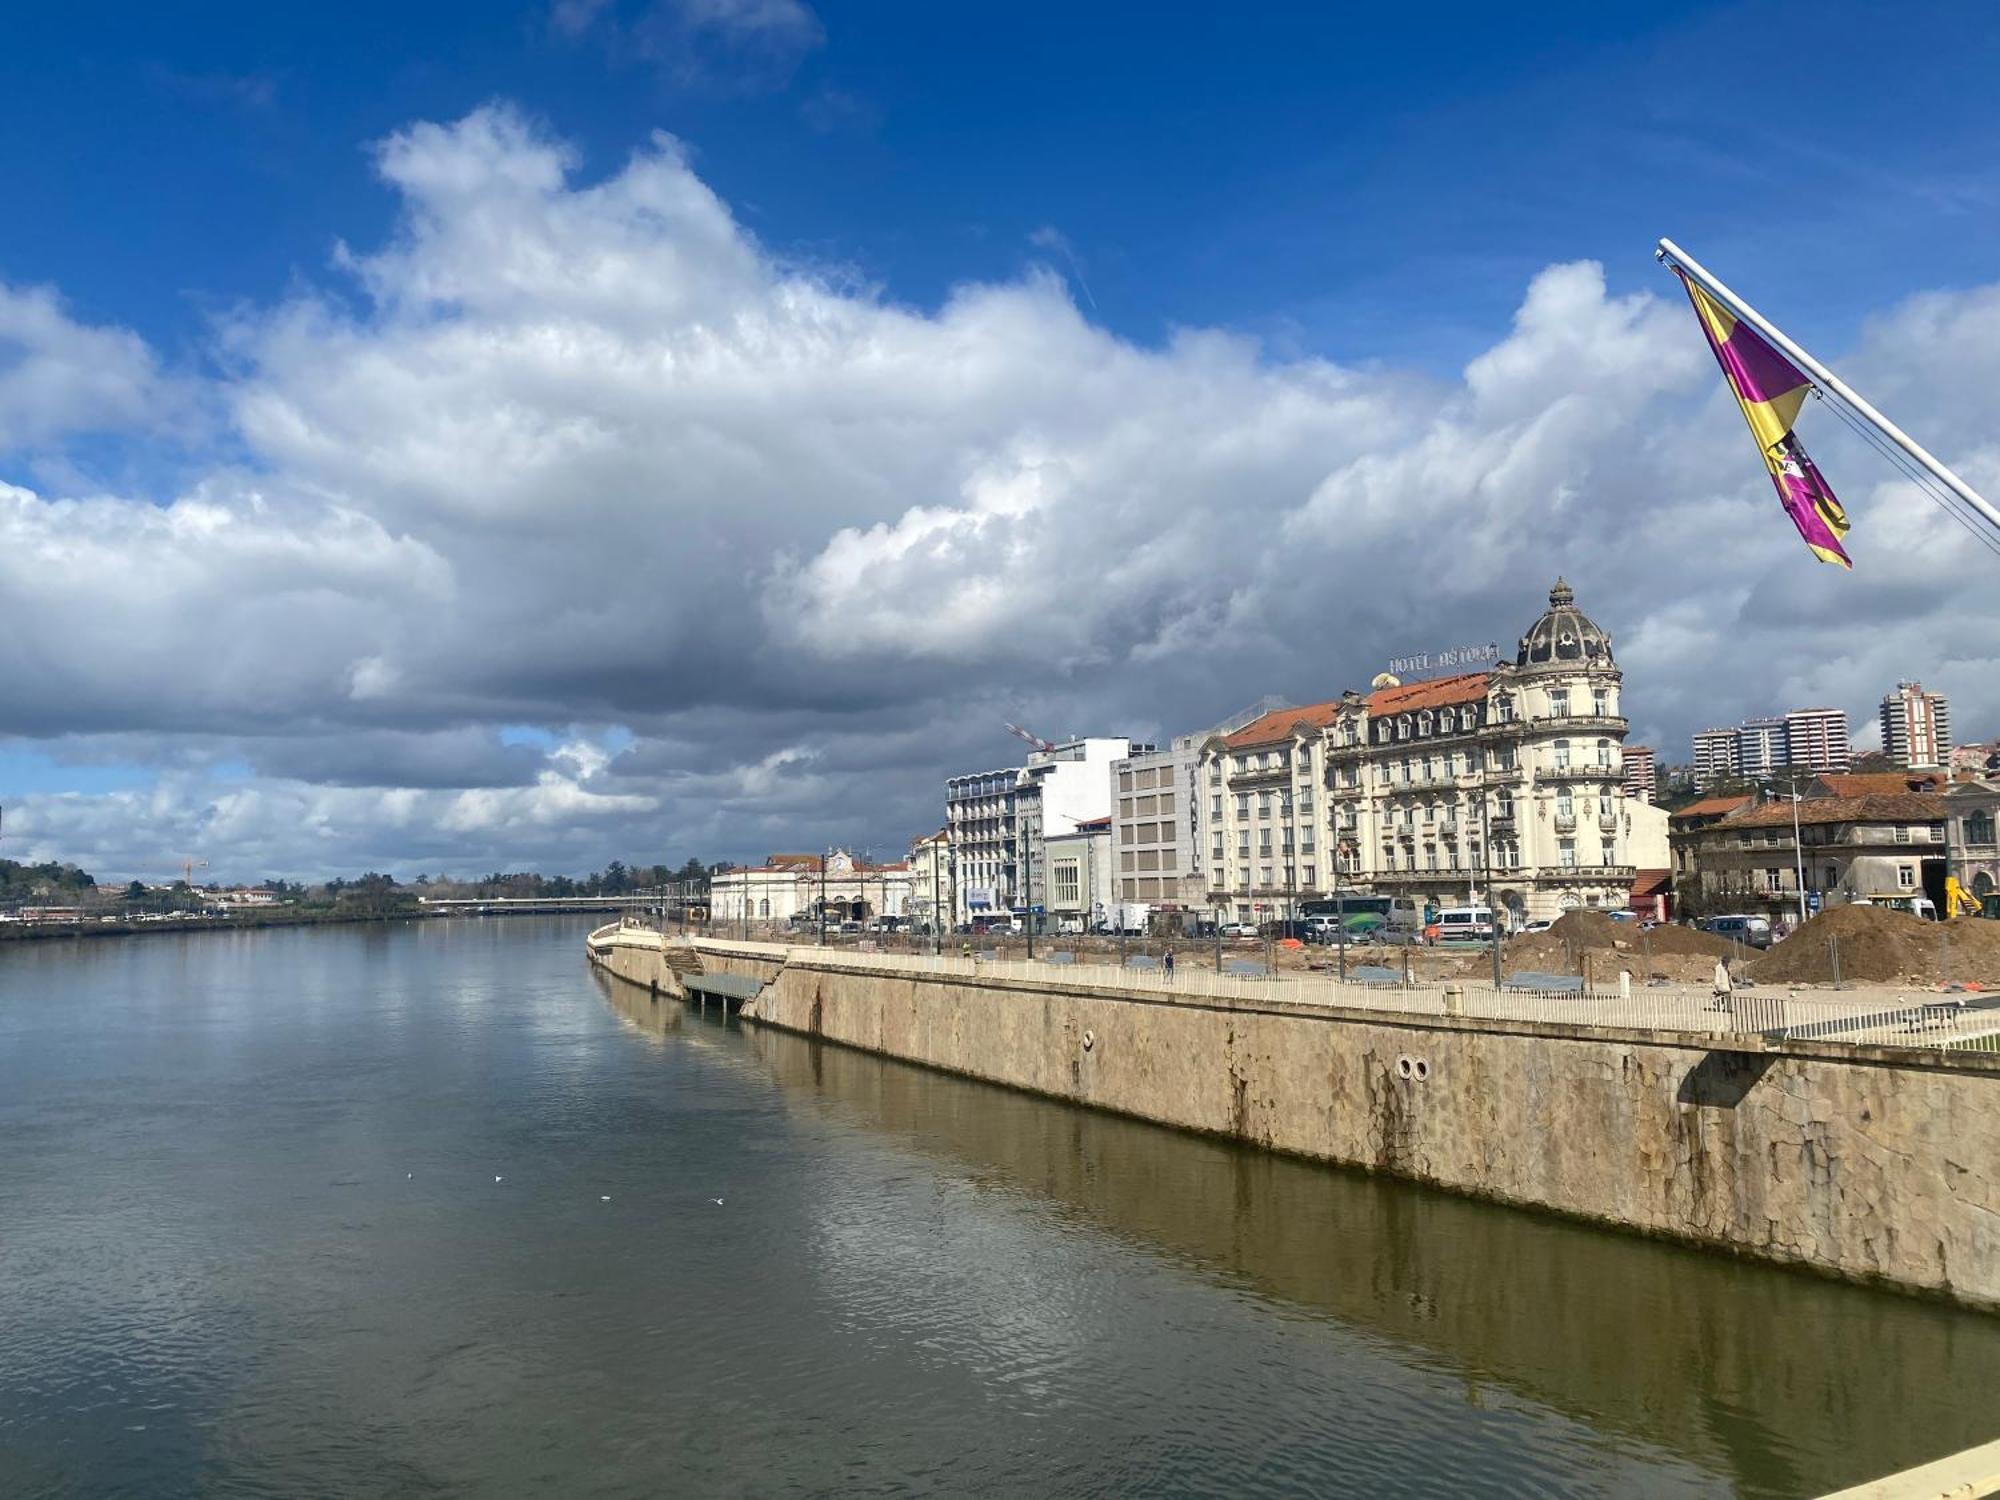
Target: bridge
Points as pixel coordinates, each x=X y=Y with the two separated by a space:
x=630 y=901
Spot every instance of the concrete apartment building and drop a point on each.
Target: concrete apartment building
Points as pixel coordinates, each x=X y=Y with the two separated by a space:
x=1916 y=727
x=1714 y=756
x=1159 y=821
x=1641 y=774
x=1423 y=786
x=1813 y=738
x=997 y=820
x=1817 y=737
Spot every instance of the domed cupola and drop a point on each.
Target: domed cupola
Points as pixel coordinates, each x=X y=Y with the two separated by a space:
x=1565 y=636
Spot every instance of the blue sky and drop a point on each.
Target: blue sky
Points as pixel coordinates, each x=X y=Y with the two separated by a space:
x=1364 y=183
x=417 y=465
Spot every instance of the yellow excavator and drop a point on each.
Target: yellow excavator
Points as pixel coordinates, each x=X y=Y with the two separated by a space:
x=1960 y=902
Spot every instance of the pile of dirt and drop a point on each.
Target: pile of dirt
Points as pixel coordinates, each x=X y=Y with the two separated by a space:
x=1591 y=944
x=1874 y=945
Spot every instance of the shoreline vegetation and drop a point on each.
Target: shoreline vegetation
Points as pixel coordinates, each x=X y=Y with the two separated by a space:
x=17 y=932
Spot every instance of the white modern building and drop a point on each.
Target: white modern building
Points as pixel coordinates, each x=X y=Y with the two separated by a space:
x=1814 y=739
x=998 y=819
x=1714 y=756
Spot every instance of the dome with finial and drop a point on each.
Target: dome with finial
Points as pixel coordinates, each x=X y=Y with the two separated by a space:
x=1564 y=636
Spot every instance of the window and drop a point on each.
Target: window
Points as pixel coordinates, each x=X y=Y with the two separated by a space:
x=1774 y=880
x=1604 y=804
x=1124 y=781
x=1312 y=876
x=1149 y=859
x=1424 y=722
x=1434 y=767
x=1263 y=804
x=1465 y=718
x=1600 y=702
x=1562 y=755
x=1242 y=804
x=1503 y=805
x=1166 y=802
x=1604 y=754
x=1906 y=877
x=1771 y=838
x=1217 y=848
x=1124 y=807
x=1977 y=828
x=1146 y=806
x=1937 y=833
x=1167 y=860
x=764 y=907
x=1125 y=860
x=1565 y=808
x=1559 y=703
x=1067 y=885
x=1505 y=707
x=1566 y=853
x=1215 y=807
x=1430 y=856
x=1264 y=874
x=1902 y=833
x=1264 y=839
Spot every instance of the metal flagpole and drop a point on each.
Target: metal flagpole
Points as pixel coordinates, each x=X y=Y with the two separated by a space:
x=1669 y=251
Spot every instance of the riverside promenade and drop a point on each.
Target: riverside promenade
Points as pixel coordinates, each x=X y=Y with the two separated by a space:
x=1856 y=1134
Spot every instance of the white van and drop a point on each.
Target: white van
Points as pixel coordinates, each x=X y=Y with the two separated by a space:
x=1463 y=924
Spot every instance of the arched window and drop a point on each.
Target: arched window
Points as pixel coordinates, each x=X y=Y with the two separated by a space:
x=1403 y=727
x=1604 y=754
x=1465 y=717
x=1424 y=722
x=764 y=907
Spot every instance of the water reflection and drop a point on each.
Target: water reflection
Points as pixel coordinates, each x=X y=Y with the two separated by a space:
x=1783 y=1382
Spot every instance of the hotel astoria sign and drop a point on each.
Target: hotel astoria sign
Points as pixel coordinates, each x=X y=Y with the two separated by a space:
x=1473 y=658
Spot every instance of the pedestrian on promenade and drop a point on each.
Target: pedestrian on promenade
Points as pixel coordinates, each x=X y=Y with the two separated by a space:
x=1167 y=961
x=1722 y=985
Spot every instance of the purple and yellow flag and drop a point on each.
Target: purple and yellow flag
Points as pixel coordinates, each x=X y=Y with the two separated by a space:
x=1770 y=390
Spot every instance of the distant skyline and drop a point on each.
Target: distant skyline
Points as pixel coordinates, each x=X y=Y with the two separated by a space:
x=522 y=437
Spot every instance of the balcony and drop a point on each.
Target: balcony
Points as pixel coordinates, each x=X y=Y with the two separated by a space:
x=1565 y=822
x=1424 y=877
x=1448 y=827
x=1586 y=874
x=1559 y=723
x=1608 y=822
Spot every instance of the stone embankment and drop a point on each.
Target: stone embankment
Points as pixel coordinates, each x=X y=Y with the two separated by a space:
x=1877 y=1163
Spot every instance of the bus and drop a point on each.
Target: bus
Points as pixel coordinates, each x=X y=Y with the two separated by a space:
x=1362 y=916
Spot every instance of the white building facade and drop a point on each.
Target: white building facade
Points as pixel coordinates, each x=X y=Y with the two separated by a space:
x=790 y=889
x=1916 y=727
x=1505 y=785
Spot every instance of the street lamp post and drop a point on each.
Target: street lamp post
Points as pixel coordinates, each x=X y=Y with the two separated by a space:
x=1799 y=852
x=822 y=898
x=1486 y=864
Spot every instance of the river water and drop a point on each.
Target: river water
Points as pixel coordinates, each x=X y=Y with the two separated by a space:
x=432 y=1209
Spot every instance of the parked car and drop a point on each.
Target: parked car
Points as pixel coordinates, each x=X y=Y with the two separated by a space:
x=1239 y=929
x=1752 y=932
x=1540 y=924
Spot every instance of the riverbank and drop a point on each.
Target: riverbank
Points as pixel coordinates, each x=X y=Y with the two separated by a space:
x=1866 y=1161
x=29 y=932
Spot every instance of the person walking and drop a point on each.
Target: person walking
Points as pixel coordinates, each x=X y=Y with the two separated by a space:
x=1167 y=962
x=1723 y=987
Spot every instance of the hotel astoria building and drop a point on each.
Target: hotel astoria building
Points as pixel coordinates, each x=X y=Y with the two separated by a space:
x=1503 y=785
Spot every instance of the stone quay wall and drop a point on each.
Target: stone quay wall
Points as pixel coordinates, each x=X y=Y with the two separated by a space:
x=1873 y=1163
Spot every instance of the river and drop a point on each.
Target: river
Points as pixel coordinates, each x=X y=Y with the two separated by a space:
x=431 y=1209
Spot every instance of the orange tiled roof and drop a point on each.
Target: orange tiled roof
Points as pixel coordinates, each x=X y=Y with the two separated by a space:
x=1869 y=783
x=1711 y=807
x=1651 y=882
x=1898 y=807
x=1278 y=724
x=1466 y=687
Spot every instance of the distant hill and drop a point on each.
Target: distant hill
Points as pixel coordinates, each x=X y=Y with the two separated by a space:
x=47 y=882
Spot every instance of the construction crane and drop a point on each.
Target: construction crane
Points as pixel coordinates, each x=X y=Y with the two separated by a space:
x=1034 y=739
x=188 y=867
